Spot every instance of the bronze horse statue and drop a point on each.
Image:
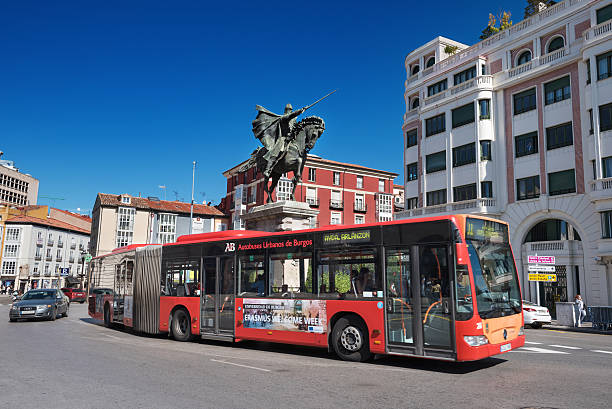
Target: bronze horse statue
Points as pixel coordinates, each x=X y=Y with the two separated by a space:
x=292 y=159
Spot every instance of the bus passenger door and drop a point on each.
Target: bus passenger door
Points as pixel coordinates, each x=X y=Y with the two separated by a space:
x=218 y=296
x=434 y=287
x=225 y=307
x=208 y=322
x=400 y=305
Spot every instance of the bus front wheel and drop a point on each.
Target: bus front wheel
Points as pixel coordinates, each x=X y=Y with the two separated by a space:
x=181 y=325
x=350 y=340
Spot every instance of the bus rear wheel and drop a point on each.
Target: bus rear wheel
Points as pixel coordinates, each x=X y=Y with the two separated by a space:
x=181 y=325
x=107 y=318
x=350 y=340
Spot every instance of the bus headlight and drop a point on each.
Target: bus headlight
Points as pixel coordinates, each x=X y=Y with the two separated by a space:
x=475 y=340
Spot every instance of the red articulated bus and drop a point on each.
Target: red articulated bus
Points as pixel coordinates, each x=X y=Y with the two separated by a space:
x=439 y=287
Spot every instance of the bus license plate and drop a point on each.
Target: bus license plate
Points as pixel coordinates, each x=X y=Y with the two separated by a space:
x=505 y=348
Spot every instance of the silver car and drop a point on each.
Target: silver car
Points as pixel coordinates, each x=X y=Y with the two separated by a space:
x=46 y=303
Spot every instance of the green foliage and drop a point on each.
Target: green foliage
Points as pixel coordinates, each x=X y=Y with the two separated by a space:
x=492 y=28
x=451 y=49
x=342 y=284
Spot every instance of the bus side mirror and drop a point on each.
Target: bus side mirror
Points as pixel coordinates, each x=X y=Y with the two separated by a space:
x=462 y=253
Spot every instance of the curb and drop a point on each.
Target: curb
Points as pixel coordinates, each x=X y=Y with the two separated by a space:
x=584 y=330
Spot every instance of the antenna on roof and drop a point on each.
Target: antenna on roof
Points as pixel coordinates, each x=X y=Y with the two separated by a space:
x=163 y=187
x=176 y=194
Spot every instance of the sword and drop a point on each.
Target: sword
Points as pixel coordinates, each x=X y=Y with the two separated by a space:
x=318 y=100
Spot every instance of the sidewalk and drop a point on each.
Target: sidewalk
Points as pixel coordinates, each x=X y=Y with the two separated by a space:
x=586 y=327
x=5 y=299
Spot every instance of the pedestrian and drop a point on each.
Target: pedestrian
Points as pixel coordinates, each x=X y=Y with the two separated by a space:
x=579 y=312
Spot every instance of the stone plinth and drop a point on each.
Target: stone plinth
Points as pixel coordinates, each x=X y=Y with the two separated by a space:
x=280 y=216
x=565 y=313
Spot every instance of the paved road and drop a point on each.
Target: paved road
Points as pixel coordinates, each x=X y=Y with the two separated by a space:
x=75 y=362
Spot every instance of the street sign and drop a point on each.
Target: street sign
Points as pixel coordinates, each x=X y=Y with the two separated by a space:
x=542 y=277
x=64 y=271
x=541 y=269
x=88 y=258
x=541 y=259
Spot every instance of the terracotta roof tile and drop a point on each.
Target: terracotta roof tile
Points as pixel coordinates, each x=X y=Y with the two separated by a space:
x=82 y=216
x=159 y=205
x=46 y=222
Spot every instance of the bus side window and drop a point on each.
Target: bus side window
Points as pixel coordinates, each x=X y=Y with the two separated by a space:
x=349 y=274
x=251 y=276
x=291 y=274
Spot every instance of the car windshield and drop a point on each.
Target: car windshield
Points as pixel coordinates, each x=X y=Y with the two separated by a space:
x=39 y=295
x=495 y=277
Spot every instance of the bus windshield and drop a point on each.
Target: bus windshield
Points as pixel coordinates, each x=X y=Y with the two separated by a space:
x=495 y=277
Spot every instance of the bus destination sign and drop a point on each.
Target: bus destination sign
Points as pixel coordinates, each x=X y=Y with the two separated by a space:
x=485 y=230
x=358 y=236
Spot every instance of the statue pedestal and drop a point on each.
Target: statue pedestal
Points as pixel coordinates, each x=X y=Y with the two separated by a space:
x=280 y=216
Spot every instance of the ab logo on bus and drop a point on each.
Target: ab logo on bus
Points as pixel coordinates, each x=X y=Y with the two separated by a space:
x=230 y=247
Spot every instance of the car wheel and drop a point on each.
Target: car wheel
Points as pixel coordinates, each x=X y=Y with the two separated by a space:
x=12 y=319
x=350 y=339
x=107 y=318
x=66 y=313
x=53 y=314
x=536 y=325
x=82 y=301
x=181 y=325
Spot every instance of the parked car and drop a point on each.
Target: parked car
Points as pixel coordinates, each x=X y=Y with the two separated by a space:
x=535 y=315
x=75 y=294
x=104 y=291
x=47 y=303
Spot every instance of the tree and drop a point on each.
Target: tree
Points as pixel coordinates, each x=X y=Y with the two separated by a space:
x=491 y=29
x=450 y=49
x=533 y=6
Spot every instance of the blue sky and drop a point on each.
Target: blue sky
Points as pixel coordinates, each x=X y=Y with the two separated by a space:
x=122 y=96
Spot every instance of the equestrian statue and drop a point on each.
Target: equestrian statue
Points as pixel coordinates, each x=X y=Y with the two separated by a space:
x=286 y=143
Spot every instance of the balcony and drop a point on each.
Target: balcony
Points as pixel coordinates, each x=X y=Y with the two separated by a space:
x=39 y=242
x=601 y=189
x=71 y=260
x=60 y=243
x=554 y=248
x=50 y=242
x=47 y=274
x=73 y=246
x=482 y=82
x=38 y=257
x=360 y=207
x=483 y=205
x=58 y=258
x=534 y=65
x=312 y=201
x=49 y=258
x=36 y=273
x=336 y=204
x=598 y=31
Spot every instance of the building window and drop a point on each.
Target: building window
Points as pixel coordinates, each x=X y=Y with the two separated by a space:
x=125 y=199
x=591 y=121
x=415 y=103
x=557 y=90
x=253 y=194
x=312 y=175
x=435 y=125
x=337 y=178
x=604 y=14
x=605 y=117
x=9 y=267
x=10 y=250
x=604 y=66
x=463 y=115
x=415 y=70
x=526 y=144
x=125 y=226
x=412 y=203
x=385 y=207
x=465 y=192
x=606 y=167
x=411 y=138
x=485 y=150
x=486 y=189
x=359 y=182
x=360 y=203
x=336 y=199
x=283 y=189
x=555 y=44
x=335 y=218
x=524 y=58
x=464 y=154
x=412 y=172
x=12 y=234
x=606 y=225
x=528 y=188
x=436 y=88
x=559 y=136
x=484 y=106
x=562 y=182
x=359 y=219
x=524 y=101
x=167 y=228
x=435 y=162
x=431 y=61
x=311 y=196
x=465 y=75
x=36 y=269
x=381 y=185
x=436 y=197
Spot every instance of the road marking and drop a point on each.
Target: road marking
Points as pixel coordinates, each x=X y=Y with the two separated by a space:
x=564 y=346
x=533 y=343
x=111 y=336
x=243 y=366
x=603 y=352
x=540 y=350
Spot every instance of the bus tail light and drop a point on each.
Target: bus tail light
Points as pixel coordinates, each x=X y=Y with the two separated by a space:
x=476 y=340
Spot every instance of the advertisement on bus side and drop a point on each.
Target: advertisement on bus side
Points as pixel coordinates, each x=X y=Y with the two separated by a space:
x=285 y=315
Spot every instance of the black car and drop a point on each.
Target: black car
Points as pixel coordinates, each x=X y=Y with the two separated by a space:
x=45 y=303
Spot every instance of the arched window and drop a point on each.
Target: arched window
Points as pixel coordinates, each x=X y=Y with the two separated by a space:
x=552 y=230
x=524 y=57
x=415 y=103
x=415 y=70
x=430 y=62
x=555 y=44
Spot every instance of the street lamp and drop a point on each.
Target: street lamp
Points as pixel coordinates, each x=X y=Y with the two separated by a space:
x=191 y=210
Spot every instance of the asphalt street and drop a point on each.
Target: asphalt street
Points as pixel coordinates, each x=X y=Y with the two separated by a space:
x=76 y=362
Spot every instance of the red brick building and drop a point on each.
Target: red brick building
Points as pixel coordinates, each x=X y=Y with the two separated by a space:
x=343 y=193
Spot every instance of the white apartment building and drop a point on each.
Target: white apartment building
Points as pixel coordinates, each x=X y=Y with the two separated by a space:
x=519 y=127
x=16 y=188
x=38 y=252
